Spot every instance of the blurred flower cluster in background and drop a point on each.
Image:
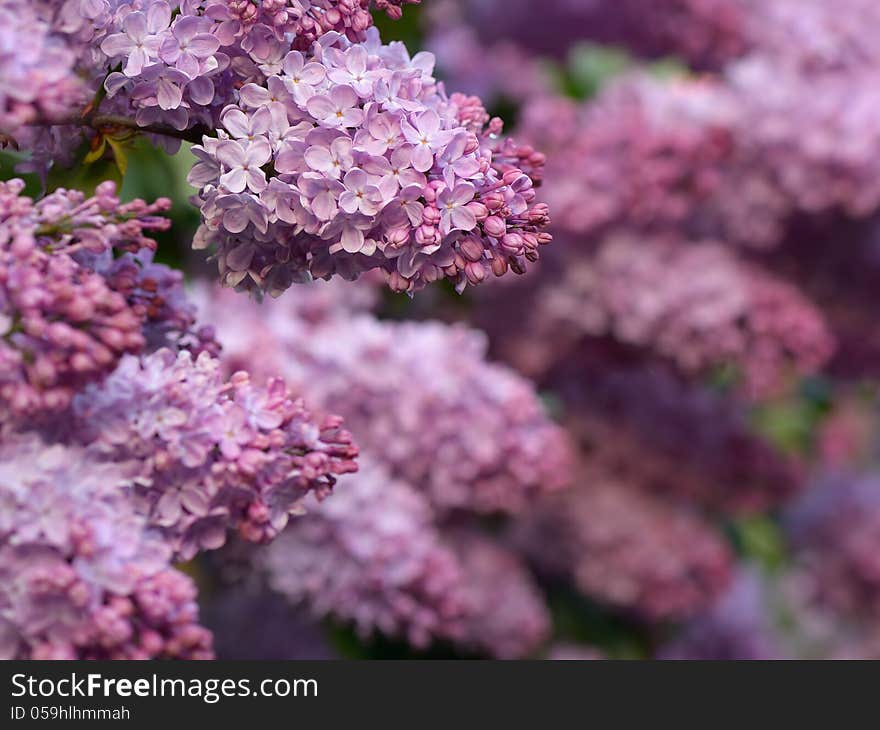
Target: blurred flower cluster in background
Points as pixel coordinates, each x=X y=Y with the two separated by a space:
x=658 y=441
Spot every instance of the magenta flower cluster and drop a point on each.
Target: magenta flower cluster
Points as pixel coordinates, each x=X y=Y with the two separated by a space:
x=214 y=454
x=471 y=439
x=323 y=152
x=369 y=165
x=63 y=325
x=80 y=575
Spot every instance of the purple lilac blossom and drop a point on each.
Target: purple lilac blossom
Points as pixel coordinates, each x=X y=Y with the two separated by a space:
x=695 y=304
x=37 y=78
x=81 y=575
x=627 y=550
x=472 y=435
x=214 y=454
x=62 y=325
x=333 y=154
x=371 y=555
x=371 y=166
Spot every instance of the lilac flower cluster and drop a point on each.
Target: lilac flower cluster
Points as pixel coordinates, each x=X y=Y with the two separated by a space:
x=471 y=436
x=214 y=454
x=37 y=80
x=62 y=324
x=372 y=556
x=695 y=304
x=323 y=152
x=627 y=550
x=82 y=576
x=371 y=166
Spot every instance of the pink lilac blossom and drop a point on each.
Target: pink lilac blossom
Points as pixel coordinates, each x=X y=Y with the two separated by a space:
x=63 y=324
x=469 y=434
x=628 y=550
x=371 y=555
x=695 y=304
x=370 y=166
x=214 y=454
x=505 y=613
x=81 y=575
x=37 y=78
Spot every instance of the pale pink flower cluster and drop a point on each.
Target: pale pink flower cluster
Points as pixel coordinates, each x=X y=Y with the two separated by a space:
x=81 y=574
x=352 y=158
x=213 y=454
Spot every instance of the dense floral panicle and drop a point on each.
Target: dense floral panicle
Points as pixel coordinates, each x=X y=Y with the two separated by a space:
x=706 y=452
x=370 y=166
x=82 y=576
x=654 y=155
x=470 y=434
x=738 y=627
x=38 y=82
x=327 y=153
x=711 y=158
x=628 y=550
x=371 y=555
x=505 y=615
x=695 y=304
x=214 y=453
x=835 y=531
x=62 y=323
x=157 y=294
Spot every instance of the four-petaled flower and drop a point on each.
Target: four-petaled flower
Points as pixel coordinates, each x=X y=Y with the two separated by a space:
x=337 y=109
x=454 y=213
x=427 y=138
x=243 y=163
x=140 y=39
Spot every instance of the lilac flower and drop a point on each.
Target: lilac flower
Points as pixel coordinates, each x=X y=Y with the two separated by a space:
x=361 y=195
x=243 y=163
x=352 y=71
x=454 y=213
x=212 y=454
x=338 y=109
x=333 y=158
x=301 y=77
x=189 y=46
x=140 y=38
x=427 y=139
